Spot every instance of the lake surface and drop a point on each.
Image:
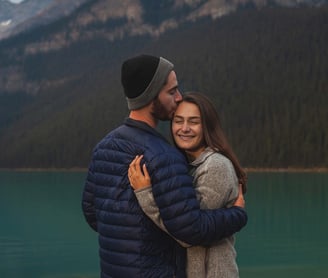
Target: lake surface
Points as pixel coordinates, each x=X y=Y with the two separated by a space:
x=43 y=233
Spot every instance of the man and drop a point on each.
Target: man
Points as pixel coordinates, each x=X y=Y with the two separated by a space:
x=131 y=245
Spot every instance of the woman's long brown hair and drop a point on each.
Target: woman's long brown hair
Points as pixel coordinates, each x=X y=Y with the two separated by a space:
x=213 y=133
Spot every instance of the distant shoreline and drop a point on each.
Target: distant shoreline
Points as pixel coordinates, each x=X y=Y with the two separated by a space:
x=289 y=170
x=44 y=169
x=248 y=170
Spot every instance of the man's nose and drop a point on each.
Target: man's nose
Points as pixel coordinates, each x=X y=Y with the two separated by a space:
x=178 y=96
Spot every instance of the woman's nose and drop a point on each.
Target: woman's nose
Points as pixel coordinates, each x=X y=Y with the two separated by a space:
x=185 y=127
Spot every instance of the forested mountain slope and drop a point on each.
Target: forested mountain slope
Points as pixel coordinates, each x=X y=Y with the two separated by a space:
x=265 y=70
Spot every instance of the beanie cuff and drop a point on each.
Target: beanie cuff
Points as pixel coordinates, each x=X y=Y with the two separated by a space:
x=163 y=69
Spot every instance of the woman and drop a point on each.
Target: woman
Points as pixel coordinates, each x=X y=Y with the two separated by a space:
x=197 y=131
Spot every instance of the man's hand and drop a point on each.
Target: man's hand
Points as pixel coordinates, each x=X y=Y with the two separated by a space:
x=240 y=201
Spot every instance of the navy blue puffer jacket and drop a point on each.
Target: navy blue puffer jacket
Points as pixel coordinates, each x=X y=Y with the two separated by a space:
x=131 y=245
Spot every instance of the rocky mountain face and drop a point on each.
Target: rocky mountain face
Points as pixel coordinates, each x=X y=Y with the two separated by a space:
x=136 y=16
x=38 y=27
x=17 y=18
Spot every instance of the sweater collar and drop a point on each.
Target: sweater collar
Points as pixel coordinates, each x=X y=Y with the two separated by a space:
x=202 y=157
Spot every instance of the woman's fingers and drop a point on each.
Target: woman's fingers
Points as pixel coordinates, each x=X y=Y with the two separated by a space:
x=137 y=163
x=133 y=162
x=139 y=178
x=134 y=167
x=131 y=167
x=146 y=174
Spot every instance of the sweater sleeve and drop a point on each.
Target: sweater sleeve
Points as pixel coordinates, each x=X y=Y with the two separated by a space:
x=216 y=183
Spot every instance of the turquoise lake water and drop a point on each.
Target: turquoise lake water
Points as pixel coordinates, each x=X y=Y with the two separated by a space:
x=43 y=233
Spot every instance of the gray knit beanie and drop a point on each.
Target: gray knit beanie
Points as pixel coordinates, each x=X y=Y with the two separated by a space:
x=142 y=78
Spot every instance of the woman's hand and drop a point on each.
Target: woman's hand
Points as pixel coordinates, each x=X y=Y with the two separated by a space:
x=240 y=201
x=138 y=178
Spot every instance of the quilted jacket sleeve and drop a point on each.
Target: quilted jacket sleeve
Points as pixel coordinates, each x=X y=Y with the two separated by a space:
x=179 y=208
x=147 y=202
x=88 y=205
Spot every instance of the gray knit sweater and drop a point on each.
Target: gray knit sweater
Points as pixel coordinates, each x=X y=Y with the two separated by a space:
x=216 y=186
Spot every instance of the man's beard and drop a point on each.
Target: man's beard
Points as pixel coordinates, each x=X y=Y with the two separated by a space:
x=160 y=112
